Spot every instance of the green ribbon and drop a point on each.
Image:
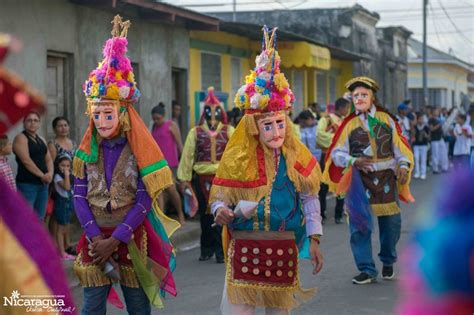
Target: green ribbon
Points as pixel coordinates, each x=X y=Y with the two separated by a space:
x=148 y=281
x=373 y=122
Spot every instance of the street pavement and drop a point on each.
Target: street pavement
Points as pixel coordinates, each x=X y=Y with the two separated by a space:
x=200 y=284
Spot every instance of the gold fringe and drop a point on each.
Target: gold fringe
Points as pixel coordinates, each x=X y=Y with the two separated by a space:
x=92 y=276
x=78 y=168
x=382 y=209
x=157 y=181
x=286 y=298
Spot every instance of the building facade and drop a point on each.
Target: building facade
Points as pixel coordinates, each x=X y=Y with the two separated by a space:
x=63 y=40
x=378 y=53
x=448 y=84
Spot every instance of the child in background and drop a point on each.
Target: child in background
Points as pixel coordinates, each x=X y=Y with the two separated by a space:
x=421 y=138
x=462 y=147
x=5 y=170
x=63 y=204
x=308 y=133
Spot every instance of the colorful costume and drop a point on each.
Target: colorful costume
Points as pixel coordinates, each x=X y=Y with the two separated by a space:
x=202 y=153
x=117 y=182
x=327 y=127
x=373 y=134
x=264 y=250
x=24 y=269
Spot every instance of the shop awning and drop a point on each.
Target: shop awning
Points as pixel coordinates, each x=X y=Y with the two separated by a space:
x=303 y=54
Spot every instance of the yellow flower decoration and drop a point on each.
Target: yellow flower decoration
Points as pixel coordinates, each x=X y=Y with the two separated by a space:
x=280 y=81
x=131 y=77
x=251 y=77
x=264 y=101
x=259 y=89
x=118 y=76
x=94 y=90
x=112 y=92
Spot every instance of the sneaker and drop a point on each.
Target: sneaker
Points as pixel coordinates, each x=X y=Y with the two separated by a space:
x=220 y=260
x=363 y=278
x=423 y=177
x=205 y=257
x=416 y=176
x=338 y=220
x=323 y=220
x=387 y=272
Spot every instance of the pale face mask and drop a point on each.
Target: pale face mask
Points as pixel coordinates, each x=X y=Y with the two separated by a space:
x=272 y=130
x=362 y=98
x=106 y=120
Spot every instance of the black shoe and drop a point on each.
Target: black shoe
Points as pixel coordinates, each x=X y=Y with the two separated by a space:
x=220 y=260
x=338 y=220
x=205 y=257
x=363 y=278
x=323 y=220
x=387 y=273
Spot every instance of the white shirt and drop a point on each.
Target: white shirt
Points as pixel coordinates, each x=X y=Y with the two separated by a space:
x=405 y=125
x=462 y=146
x=63 y=193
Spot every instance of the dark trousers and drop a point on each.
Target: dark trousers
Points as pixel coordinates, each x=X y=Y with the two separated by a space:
x=323 y=191
x=211 y=241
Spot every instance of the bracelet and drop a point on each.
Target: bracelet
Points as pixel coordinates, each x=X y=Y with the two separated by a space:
x=315 y=238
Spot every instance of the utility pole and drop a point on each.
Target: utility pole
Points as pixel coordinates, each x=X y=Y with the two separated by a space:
x=234 y=13
x=425 y=74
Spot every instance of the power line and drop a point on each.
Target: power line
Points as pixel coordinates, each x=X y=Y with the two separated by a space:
x=454 y=25
x=435 y=26
x=448 y=32
x=421 y=10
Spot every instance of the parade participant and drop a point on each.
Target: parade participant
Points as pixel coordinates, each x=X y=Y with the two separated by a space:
x=202 y=153
x=119 y=172
x=266 y=166
x=370 y=139
x=327 y=127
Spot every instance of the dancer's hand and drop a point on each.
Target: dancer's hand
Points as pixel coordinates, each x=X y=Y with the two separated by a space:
x=184 y=185
x=364 y=164
x=103 y=249
x=224 y=216
x=316 y=257
x=402 y=175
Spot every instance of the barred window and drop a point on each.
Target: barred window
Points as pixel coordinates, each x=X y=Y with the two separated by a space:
x=210 y=71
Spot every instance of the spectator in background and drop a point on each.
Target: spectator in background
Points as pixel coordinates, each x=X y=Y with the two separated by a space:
x=5 y=170
x=315 y=109
x=420 y=146
x=234 y=115
x=63 y=204
x=326 y=129
x=176 y=113
x=403 y=119
x=439 y=150
x=35 y=166
x=462 y=147
x=61 y=144
x=308 y=133
x=471 y=123
x=166 y=133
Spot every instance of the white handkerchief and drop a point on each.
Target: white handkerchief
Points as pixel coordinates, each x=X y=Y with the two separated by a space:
x=245 y=208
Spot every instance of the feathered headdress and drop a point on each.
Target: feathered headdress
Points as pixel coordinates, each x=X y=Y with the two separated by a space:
x=112 y=83
x=266 y=88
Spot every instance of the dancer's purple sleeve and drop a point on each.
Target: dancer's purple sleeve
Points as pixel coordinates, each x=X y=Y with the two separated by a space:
x=83 y=210
x=135 y=216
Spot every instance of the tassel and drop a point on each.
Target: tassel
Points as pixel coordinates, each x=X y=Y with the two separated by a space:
x=78 y=168
x=114 y=299
x=157 y=181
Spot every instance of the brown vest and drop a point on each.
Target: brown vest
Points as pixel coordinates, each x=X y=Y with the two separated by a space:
x=209 y=148
x=122 y=192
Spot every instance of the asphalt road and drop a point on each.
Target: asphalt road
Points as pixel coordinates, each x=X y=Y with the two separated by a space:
x=200 y=284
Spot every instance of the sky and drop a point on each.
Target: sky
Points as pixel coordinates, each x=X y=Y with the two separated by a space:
x=450 y=22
